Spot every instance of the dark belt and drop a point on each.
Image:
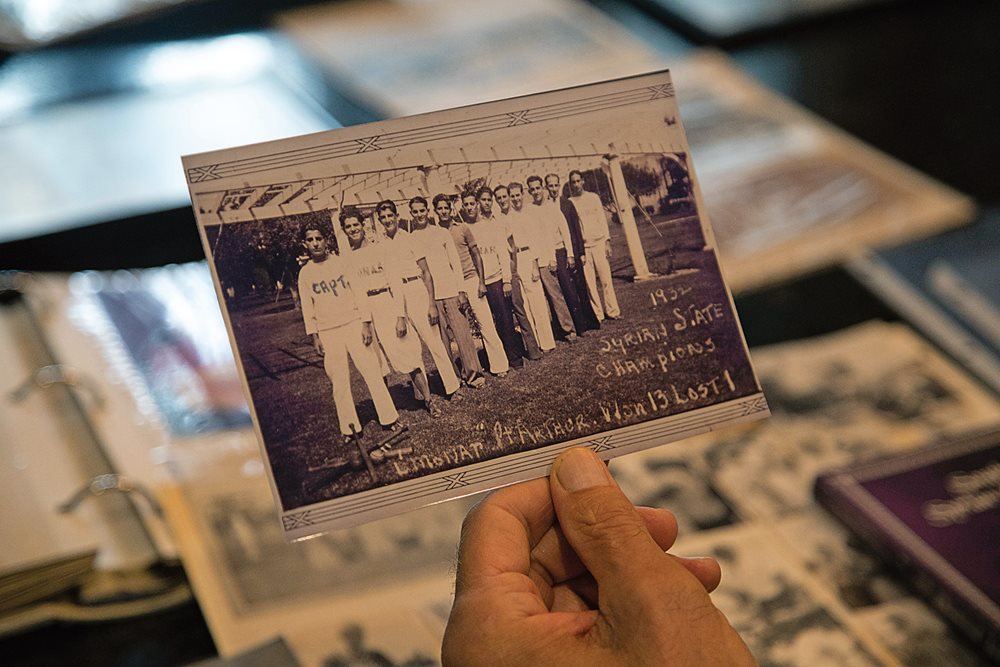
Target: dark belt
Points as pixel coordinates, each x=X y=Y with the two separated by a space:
x=524 y=249
x=376 y=292
x=410 y=279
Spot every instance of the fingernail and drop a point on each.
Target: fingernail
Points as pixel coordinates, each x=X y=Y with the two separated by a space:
x=579 y=469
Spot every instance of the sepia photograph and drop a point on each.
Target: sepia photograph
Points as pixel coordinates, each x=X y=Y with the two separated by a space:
x=432 y=306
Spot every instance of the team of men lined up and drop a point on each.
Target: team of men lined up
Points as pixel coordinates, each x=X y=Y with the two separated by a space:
x=519 y=263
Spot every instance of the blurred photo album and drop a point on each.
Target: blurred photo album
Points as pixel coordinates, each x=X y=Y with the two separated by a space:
x=432 y=306
x=934 y=513
x=725 y=19
x=948 y=286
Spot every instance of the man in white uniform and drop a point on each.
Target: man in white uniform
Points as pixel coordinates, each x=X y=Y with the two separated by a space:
x=491 y=238
x=552 y=234
x=474 y=285
x=381 y=285
x=568 y=268
x=530 y=306
x=408 y=260
x=447 y=285
x=341 y=328
x=597 y=242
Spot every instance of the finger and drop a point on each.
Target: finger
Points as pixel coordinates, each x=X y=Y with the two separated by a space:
x=569 y=597
x=705 y=569
x=554 y=561
x=604 y=529
x=581 y=592
x=499 y=533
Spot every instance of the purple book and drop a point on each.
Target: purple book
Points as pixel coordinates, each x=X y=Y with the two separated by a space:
x=935 y=513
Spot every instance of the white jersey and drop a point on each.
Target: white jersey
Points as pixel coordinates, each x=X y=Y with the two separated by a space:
x=491 y=238
x=593 y=219
x=328 y=299
x=523 y=233
x=402 y=254
x=552 y=230
x=373 y=277
x=443 y=262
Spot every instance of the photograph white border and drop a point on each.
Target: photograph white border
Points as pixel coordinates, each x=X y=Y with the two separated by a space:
x=377 y=146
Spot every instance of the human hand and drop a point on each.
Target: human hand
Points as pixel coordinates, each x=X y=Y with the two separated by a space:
x=607 y=250
x=506 y=289
x=432 y=314
x=570 y=261
x=566 y=571
x=400 y=327
x=366 y=333
x=482 y=290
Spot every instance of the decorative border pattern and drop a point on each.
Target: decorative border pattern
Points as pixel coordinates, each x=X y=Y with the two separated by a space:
x=429 y=133
x=489 y=473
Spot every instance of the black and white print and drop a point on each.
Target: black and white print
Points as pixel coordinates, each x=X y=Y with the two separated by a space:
x=768 y=601
x=432 y=306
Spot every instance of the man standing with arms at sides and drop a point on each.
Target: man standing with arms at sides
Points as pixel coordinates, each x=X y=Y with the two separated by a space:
x=597 y=245
x=447 y=283
x=474 y=285
x=340 y=326
x=568 y=267
x=491 y=238
x=530 y=306
x=551 y=232
x=374 y=275
x=408 y=259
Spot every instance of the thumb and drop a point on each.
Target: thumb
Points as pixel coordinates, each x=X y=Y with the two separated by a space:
x=600 y=522
x=651 y=609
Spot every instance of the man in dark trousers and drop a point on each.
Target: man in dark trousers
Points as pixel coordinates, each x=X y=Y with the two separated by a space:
x=569 y=267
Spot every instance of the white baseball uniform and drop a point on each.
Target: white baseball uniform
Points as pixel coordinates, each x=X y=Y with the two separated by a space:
x=379 y=285
x=331 y=310
x=594 y=228
x=465 y=241
x=403 y=253
x=526 y=245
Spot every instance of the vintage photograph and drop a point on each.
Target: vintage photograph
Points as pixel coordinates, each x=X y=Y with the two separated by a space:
x=918 y=636
x=432 y=306
x=839 y=558
x=837 y=399
x=396 y=638
x=236 y=522
x=672 y=478
x=767 y=598
x=388 y=52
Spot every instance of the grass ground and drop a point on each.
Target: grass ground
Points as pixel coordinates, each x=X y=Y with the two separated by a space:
x=631 y=370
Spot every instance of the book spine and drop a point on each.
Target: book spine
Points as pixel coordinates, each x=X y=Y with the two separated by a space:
x=929 y=584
